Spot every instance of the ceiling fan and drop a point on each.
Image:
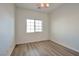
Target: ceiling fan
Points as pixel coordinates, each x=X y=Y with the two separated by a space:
x=43 y=5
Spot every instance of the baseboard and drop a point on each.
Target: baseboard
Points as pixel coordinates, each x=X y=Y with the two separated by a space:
x=66 y=46
x=10 y=50
x=32 y=42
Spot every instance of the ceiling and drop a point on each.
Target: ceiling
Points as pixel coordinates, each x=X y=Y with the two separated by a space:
x=33 y=6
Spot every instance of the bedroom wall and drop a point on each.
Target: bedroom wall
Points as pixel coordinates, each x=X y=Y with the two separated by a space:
x=7 y=29
x=65 y=26
x=21 y=35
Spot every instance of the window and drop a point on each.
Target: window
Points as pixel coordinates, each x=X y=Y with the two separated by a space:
x=38 y=26
x=30 y=25
x=34 y=25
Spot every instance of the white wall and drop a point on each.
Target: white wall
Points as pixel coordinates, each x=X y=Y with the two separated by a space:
x=7 y=17
x=21 y=35
x=65 y=26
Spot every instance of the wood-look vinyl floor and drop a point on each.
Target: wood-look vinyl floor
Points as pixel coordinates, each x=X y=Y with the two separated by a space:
x=43 y=48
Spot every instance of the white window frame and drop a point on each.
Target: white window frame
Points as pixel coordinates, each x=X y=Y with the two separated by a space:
x=37 y=26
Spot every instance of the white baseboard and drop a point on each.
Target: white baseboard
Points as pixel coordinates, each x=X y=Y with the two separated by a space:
x=10 y=50
x=30 y=41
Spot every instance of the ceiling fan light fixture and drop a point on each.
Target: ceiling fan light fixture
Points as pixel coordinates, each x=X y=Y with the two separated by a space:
x=43 y=5
x=47 y=4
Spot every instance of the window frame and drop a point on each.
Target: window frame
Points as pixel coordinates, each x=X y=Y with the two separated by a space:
x=39 y=26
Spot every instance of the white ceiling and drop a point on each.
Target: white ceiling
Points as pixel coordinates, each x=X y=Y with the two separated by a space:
x=33 y=6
